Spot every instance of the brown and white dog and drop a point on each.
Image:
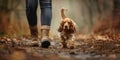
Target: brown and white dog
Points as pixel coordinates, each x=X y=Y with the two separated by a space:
x=67 y=29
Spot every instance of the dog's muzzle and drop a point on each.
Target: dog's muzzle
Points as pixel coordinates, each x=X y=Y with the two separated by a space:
x=66 y=26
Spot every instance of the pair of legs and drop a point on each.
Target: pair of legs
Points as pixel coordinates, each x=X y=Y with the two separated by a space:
x=46 y=15
x=46 y=11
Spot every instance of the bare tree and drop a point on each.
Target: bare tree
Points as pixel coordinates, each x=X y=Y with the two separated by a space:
x=6 y=7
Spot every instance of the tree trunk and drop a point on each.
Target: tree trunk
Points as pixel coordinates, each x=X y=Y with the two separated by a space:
x=116 y=15
x=4 y=16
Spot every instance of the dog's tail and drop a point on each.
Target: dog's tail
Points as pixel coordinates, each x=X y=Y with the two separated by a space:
x=62 y=13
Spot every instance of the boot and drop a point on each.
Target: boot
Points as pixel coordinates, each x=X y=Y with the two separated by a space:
x=45 y=33
x=34 y=31
x=45 y=36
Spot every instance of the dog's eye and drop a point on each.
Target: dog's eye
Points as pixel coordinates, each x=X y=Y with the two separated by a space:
x=64 y=22
x=69 y=22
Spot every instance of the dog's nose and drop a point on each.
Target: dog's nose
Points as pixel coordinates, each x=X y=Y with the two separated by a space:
x=65 y=26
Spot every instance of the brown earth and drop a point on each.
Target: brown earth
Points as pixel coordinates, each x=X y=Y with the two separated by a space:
x=88 y=47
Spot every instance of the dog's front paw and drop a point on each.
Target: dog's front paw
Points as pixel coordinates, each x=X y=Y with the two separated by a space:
x=71 y=44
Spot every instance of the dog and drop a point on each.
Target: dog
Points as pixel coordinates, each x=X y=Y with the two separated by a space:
x=67 y=29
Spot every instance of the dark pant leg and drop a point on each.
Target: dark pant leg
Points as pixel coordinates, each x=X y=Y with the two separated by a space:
x=31 y=8
x=46 y=12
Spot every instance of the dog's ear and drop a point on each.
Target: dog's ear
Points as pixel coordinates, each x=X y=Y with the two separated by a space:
x=72 y=28
x=60 y=29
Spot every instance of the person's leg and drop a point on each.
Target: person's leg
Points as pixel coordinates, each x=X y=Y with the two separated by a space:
x=46 y=16
x=31 y=8
x=46 y=12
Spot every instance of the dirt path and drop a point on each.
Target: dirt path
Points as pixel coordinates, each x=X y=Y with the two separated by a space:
x=86 y=50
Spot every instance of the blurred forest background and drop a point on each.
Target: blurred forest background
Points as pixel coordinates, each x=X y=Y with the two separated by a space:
x=89 y=15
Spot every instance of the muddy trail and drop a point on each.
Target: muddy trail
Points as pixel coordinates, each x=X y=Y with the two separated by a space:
x=86 y=48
